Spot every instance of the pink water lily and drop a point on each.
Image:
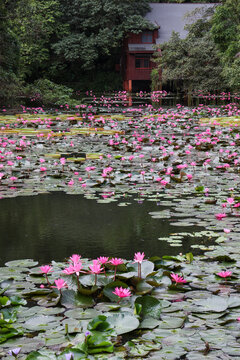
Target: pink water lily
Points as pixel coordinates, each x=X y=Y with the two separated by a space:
x=122 y=292
x=138 y=258
x=225 y=274
x=75 y=258
x=96 y=268
x=220 y=216
x=60 y=284
x=76 y=268
x=103 y=260
x=178 y=279
x=115 y=262
x=45 y=269
x=230 y=201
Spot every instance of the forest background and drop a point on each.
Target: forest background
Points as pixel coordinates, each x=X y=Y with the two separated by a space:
x=49 y=49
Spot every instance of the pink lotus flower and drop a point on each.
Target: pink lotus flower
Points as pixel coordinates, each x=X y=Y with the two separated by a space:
x=230 y=201
x=75 y=258
x=46 y=269
x=63 y=161
x=115 y=262
x=225 y=274
x=122 y=292
x=60 y=284
x=178 y=279
x=73 y=269
x=103 y=259
x=164 y=182
x=138 y=257
x=220 y=216
x=227 y=231
x=71 y=182
x=96 y=269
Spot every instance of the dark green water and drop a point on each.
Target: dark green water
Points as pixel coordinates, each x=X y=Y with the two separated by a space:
x=54 y=226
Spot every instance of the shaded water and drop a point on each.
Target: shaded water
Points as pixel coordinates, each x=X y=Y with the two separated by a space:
x=54 y=226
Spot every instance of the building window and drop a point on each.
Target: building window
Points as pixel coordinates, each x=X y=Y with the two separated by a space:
x=142 y=62
x=147 y=37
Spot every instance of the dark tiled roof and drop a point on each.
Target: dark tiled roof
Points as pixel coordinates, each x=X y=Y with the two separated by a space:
x=172 y=17
x=140 y=47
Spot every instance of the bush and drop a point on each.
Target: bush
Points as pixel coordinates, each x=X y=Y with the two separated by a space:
x=10 y=86
x=47 y=92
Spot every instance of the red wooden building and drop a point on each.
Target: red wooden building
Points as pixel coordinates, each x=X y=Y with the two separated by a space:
x=136 y=64
x=136 y=61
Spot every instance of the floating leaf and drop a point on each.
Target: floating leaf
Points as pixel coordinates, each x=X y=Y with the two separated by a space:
x=70 y=299
x=123 y=323
x=151 y=307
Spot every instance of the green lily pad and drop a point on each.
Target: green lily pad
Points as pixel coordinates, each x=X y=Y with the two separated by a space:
x=39 y=323
x=151 y=307
x=214 y=303
x=70 y=299
x=22 y=263
x=123 y=323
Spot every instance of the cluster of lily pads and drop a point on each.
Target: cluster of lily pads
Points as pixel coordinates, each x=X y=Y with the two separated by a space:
x=170 y=308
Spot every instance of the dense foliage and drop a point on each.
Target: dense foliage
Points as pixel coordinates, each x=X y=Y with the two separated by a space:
x=208 y=58
x=78 y=43
x=60 y=41
x=97 y=28
x=226 y=34
x=187 y=1
x=9 y=54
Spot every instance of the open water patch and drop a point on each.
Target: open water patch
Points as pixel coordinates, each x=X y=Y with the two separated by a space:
x=56 y=225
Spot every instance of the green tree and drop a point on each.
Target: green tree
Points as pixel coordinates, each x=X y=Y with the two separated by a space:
x=38 y=26
x=9 y=53
x=192 y=63
x=226 y=34
x=97 y=28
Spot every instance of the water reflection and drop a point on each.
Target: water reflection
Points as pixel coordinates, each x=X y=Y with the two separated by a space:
x=54 y=226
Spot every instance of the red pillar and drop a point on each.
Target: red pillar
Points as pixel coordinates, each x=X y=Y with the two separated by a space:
x=130 y=85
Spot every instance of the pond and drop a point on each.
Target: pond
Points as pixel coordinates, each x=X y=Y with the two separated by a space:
x=56 y=225
x=105 y=181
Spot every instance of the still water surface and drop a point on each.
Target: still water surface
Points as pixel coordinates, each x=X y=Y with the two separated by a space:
x=54 y=226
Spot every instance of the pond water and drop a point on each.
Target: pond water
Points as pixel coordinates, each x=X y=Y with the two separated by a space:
x=56 y=225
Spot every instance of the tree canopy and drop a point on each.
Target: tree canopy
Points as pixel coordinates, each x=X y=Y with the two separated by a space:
x=193 y=63
x=225 y=31
x=97 y=27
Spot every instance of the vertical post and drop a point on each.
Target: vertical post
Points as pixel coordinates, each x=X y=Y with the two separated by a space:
x=130 y=85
